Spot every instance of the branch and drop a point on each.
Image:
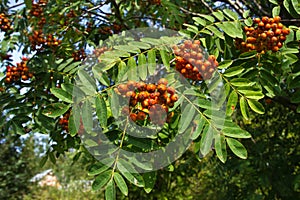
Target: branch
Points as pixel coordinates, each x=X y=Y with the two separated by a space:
x=17 y=5
x=261 y=8
x=118 y=13
x=190 y=12
x=235 y=7
x=207 y=6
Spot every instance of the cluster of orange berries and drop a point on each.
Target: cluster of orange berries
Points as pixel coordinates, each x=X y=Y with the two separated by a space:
x=38 y=40
x=79 y=55
x=64 y=123
x=37 y=10
x=148 y=101
x=265 y=34
x=155 y=2
x=112 y=29
x=191 y=62
x=14 y=73
x=99 y=51
x=4 y=23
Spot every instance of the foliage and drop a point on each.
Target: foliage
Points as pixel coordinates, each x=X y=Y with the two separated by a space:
x=53 y=35
x=16 y=167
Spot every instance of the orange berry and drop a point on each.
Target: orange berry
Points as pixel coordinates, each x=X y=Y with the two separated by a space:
x=277 y=19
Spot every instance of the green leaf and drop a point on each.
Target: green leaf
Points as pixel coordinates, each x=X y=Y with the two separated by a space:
x=241 y=82
x=231 y=104
x=165 y=58
x=208 y=17
x=101 y=76
x=237 y=148
x=199 y=21
x=88 y=84
x=132 y=69
x=256 y=106
x=110 y=191
x=219 y=15
x=246 y=14
x=100 y=166
x=101 y=180
x=220 y=146
x=273 y=2
x=186 y=117
x=43 y=160
x=225 y=64
x=101 y=111
x=206 y=140
x=71 y=67
x=215 y=31
x=122 y=71
x=151 y=61
x=254 y=95
x=248 y=22
x=296 y=5
x=235 y=132
x=233 y=71
x=231 y=14
x=55 y=110
x=140 y=45
x=230 y=28
x=142 y=66
x=244 y=108
x=63 y=65
x=120 y=182
x=128 y=171
x=200 y=125
x=149 y=178
x=248 y=55
x=87 y=115
x=290 y=8
x=71 y=125
x=52 y=157
x=114 y=103
x=61 y=94
x=129 y=48
x=276 y=11
x=151 y=41
x=191 y=28
x=67 y=87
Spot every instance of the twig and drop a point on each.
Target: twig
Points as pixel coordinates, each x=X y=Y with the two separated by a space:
x=17 y=5
x=118 y=13
x=207 y=6
x=235 y=7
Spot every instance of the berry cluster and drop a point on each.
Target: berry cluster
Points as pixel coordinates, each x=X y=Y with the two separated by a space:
x=265 y=34
x=79 y=55
x=4 y=23
x=39 y=41
x=110 y=29
x=99 y=51
x=148 y=101
x=191 y=63
x=64 y=123
x=14 y=73
x=155 y=2
x=37 y=10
